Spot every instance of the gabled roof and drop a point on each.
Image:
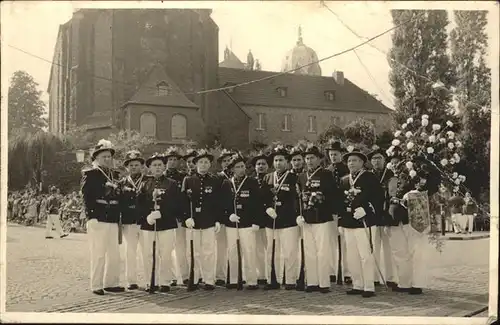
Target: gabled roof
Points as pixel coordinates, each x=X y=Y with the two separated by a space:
x=148 y=91
x=303 y=91
x=231 y=60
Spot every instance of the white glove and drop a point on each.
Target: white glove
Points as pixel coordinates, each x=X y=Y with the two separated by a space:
x=190 y=223
x=300 y=220
x=255 y=227
x=234 y=218
x=359 y=213
x=341 y=231
x=271 y=212
x=217 y=227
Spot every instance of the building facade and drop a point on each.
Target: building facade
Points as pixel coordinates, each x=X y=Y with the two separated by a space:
x=146 y=70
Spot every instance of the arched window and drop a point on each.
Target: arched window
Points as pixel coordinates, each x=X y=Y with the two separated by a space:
x=164 y=89
x=148 y=124
x=179 y=127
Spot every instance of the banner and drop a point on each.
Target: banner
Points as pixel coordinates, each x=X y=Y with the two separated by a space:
x=418 y=211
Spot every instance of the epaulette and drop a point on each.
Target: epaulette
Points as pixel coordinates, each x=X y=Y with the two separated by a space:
x=87 y=170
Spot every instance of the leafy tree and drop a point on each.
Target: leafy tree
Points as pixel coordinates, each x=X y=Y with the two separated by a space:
x=25 y=108
x=469 y=44
x=420 y=47
x=360 y=131
x=333 y=131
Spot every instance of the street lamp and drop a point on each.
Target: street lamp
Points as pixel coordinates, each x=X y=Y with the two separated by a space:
x=80 y=156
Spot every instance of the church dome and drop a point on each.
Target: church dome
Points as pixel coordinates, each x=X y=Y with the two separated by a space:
x=299 y=56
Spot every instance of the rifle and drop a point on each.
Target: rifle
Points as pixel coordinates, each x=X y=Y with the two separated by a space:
x=238 y=248
x=191 y=285
x=153 y=268
x=301 y=282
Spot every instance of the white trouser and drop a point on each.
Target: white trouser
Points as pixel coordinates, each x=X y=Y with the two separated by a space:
x=181 y=266
x=248 y=256
x=165 y=241
x=463 y=221
x=381 y=241
x=456 y=219
x=334 y=244
x=343 y=247
x=360 y=258
x=204 y=253
x=286 y=257
x=221 y=255
x=470 y=222
x=409 y=247
x=53 y=221
x=317 y=251
x=104 y=254
x=260 y=251
x=131 y=236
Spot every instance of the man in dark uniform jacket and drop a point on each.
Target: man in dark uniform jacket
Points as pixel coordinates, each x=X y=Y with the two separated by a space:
x=334 y=151
x=160 y=204
x=244 y=222
x=172 y=157
x=101 y=194
x=221 y=238
x=320 y=200
x=261 y=165
x=130 y=213
x=381 y=237
x=283 y=190
x=209 y=200
x=361 y=189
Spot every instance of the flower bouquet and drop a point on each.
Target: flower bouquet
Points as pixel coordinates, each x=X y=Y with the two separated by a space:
x=427 y=152
x=350 y=195
x=312 y=199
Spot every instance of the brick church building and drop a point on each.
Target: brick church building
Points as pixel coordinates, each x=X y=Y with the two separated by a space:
x=147 y=70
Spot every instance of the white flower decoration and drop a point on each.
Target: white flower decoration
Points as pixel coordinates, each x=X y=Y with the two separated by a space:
x=451 y=145
x=444 y=162
x=449 y=123
x=436 y=127
x=425 y=122
x=455 y=175
x=463 y=178
x=413 y=173
x=409 y=120
x=457 y=181
x=456 y=189
x=452 y=161
x=432 y=139
x=442 y=140
x=389 y=165
x=451 y=134
x=410 y=145
x=397 y=133
x=395 y=142
x=409 y=134
x=105 y=143
x=430 y=150
x=409 y=165
x=458 y=144
x=425 y=117
x=457 y=158
x=350 y=148
x=404 y=125
x=423 y=134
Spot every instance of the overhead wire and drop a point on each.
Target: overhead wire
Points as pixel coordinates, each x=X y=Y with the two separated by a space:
x=392 y=59
x=368 y=40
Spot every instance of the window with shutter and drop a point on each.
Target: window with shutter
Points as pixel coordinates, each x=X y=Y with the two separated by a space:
x=286 y=124
x=148 y=124
x=179 y=127
x=261 y=122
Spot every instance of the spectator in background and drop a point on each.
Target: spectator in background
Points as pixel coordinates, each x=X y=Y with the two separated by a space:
x=469 y=212
x=456 y=203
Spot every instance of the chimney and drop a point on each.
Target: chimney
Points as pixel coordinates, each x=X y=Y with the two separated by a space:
x=339 y=77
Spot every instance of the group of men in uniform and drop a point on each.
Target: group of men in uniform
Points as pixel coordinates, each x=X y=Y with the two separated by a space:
x=301 y=226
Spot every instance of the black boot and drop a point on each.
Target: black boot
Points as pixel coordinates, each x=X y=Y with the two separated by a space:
x=262 y=282
x=368 y=294
x=98 y=292
x=324 y=290
x=133 y=287
x=271 y=286
x=252 y=287
x=403 y=290
x=164 y=288
x=208 y=287
x=415 y=291
x=220 y=283
x=312 y=289
x=347 y=280
x=354 y=292
x=114 y=289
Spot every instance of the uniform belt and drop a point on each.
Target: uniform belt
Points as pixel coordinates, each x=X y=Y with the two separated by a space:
x=111 y=202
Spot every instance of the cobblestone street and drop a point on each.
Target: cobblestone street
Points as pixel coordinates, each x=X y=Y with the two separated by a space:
x=52 y=276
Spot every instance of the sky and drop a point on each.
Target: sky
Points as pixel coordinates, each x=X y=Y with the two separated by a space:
x=269 y=29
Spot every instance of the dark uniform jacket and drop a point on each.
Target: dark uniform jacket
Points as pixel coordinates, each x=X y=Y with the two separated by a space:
x=265 y=199
x=101 y=200
x=210 y=197
x=322 y=183
x=128 y=201
x=179 y=178
x=285 y=199
x=470 y=207
x=382 y=207
x=54 y=204
x=171 y=203
x=247 y=202
x=338 y=170
x=368 y=199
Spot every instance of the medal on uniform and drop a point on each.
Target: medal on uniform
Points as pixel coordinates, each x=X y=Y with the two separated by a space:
x=239 y=206
x=135 y=185
x=197 y=209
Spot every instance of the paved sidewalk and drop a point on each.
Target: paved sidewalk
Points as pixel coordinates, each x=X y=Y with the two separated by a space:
x=52 y=276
